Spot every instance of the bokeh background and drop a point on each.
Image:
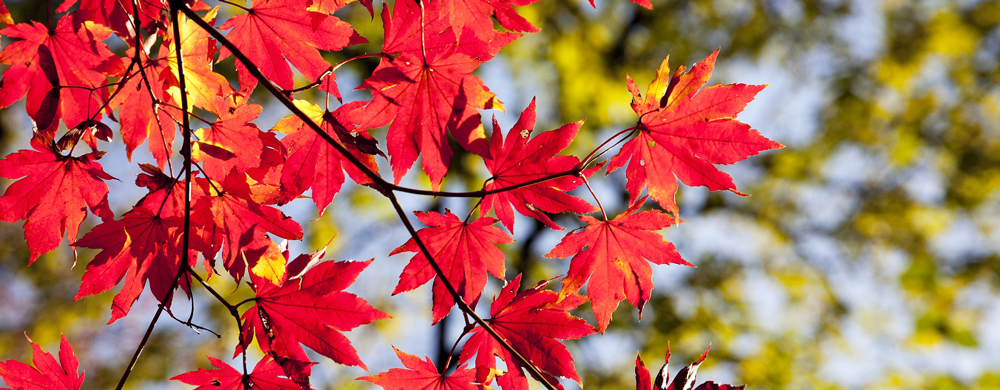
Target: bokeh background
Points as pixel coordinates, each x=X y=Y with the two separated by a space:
x=868 y=256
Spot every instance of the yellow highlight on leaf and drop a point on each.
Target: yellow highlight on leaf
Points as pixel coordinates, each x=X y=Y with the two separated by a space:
x=271 y=265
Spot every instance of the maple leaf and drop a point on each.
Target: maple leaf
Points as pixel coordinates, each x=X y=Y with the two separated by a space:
x=54 y=193
x=427 y=95
x=613 y=257
x=328 y=6
x=426 y=103
x=508 y=17
x=685 y=380
x=406 y=31
x=47 y=374
x=142 y=112
x=422 y=374
x=232 y=141
x=465 y=252
x=141 y=242
x=311 y=310
x=231 y=215
x=516 y=160
x=314 y=163
x=43 y=62
x=203 y=84
x=266 y=375
x=474 y=15
x=683 y=130
x=117 y=14
x=5 y=14
x=276 y=30
x=530 y=321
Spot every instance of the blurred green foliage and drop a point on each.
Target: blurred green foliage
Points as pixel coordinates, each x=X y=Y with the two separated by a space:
x=892 y=195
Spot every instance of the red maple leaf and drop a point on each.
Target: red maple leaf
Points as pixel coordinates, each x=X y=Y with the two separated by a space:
x=314 y=163
x=464 y=251
x=142 y=242
x=516 y=160
x=530 y=321
x=311 y=310
x=407 y=31
x=613 y=257
x=47 y=374
x=427 y=94
x=266 y=375
x=232 y=141
x=474 y=15
x=54 y=194
x=685 y=380
x=422 y=374
x=230 y=214
x=683 y=130
x=143 y=114
x=275 y=30
x=43 y=62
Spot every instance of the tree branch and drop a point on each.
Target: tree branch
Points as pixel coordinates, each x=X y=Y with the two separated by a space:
x=186 y=151
x=458 y=298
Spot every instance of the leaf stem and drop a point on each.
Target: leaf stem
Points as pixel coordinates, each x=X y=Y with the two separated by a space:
x=599 y=205
x=451 y=353
x=594 y=153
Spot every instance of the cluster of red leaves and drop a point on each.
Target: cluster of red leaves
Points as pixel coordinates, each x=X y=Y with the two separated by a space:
x=227 y=214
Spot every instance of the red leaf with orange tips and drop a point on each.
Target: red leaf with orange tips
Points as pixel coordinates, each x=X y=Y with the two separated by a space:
x=612 y=258
x=5 y=14
x=684 y=130
x=230 y=215
x=232 y=141
x=314 y=163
